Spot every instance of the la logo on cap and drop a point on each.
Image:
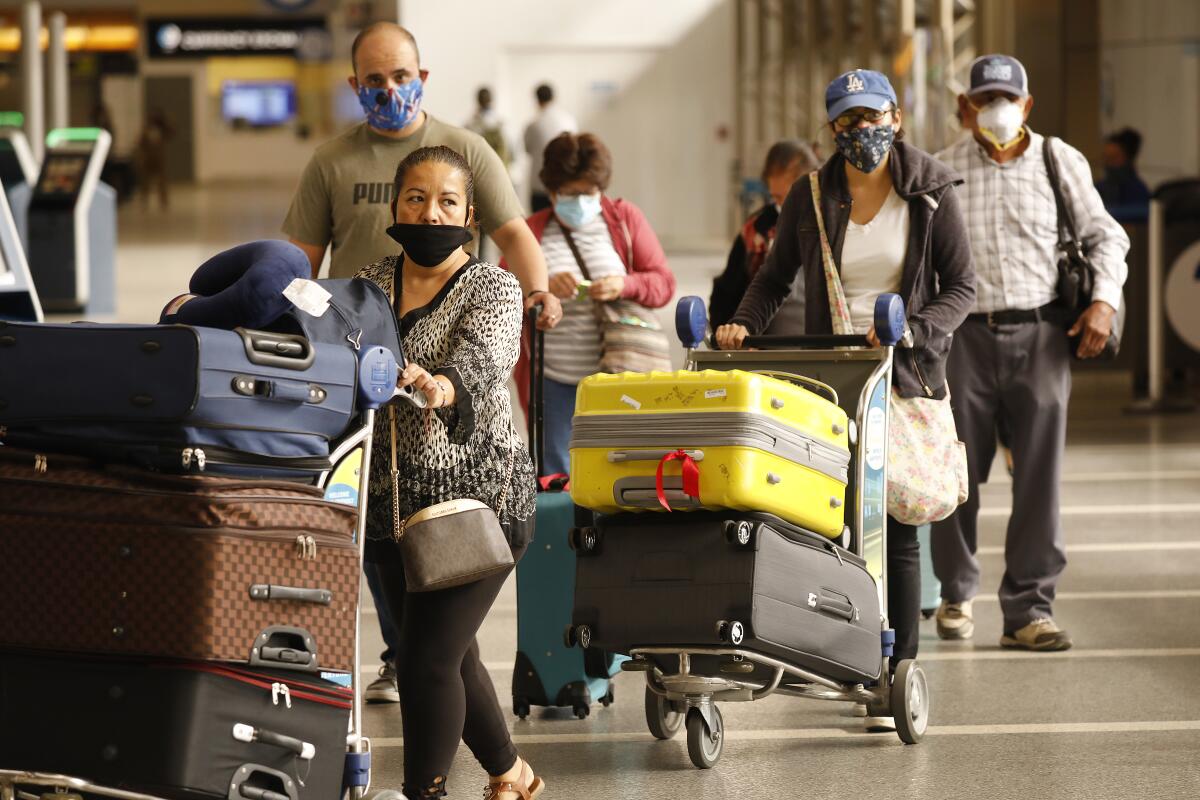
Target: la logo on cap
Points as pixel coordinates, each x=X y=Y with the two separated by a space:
x=855 y=83
x=997 y=71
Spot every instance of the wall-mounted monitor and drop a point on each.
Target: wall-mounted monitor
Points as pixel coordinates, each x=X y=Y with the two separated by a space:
x=258 y=103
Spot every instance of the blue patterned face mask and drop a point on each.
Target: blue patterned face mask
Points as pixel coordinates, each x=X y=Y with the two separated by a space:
x=865 y=147
x=392 y=109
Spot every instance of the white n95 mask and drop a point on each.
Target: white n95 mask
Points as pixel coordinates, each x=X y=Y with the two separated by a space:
x=1002 y=121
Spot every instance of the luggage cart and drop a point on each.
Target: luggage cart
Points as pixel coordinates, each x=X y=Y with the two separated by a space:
x=685 y=683
x=377 y=373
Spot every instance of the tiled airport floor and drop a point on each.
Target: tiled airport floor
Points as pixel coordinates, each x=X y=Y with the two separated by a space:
x=1116 y=717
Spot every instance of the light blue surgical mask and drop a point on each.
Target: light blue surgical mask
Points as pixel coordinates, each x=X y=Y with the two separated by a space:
x=392 y=109
x=579 y=210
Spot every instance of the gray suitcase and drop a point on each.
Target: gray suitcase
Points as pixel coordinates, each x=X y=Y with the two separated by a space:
x=714 y=579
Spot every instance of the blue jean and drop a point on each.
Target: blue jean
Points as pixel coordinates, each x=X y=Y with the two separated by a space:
x=560 y=408
x=387 y=625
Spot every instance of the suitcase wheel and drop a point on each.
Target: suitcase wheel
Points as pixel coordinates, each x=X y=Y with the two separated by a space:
x=733 y=632
x=582 y=711
x=521 y=707
x=704 y=743
x=585 y=540
x=577 y=636
x=608 y=699
x=739 y=533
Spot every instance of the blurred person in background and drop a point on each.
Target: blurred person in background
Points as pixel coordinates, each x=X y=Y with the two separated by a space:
x=893 y=224
x=345 y=199
x=487 y=123
x=152 y=157
x=786 y=162
x=1010 y=365
x=1123 y=191
x=549 y=122
x=623 y=261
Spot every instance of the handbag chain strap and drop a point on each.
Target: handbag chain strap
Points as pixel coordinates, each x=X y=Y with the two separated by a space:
x=400 y=526
x=838 y=311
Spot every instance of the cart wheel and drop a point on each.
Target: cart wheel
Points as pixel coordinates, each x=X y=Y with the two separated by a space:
x=661 y=717
x=910 y=701
x=521 y=707
x=608 y=699
x=582 y=711
x=705 y=746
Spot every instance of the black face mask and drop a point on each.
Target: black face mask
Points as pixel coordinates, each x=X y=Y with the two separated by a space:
x=429 y=245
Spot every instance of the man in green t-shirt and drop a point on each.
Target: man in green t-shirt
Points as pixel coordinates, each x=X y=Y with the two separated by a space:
x=345 y=194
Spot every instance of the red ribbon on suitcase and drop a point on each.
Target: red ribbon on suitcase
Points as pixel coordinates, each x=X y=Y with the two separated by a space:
x=691 y=476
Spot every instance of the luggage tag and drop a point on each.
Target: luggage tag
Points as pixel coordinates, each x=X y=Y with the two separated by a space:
x=308 y=296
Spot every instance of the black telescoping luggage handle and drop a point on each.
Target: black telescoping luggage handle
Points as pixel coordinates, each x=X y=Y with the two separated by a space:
x=537 y=380
x=814 y=342
x=283 y=350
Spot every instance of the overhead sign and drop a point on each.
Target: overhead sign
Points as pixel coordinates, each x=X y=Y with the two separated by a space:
x=200 y=37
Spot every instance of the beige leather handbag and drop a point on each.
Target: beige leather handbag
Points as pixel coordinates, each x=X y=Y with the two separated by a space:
x=451 y=543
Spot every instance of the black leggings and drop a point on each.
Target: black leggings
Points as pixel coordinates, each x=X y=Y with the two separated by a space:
x=446 y=694
x=903 y=588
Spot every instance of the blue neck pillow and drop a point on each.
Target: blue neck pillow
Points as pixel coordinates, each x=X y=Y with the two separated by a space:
x=240 y=287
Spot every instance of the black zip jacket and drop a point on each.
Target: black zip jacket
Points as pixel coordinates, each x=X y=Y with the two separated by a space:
x=938 y=277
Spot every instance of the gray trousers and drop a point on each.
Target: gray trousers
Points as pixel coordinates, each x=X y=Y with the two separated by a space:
x=1020 y=374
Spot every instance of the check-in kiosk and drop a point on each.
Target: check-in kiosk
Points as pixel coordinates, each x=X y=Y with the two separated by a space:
x=18 y=297
x=72 y=229
x=18 y=166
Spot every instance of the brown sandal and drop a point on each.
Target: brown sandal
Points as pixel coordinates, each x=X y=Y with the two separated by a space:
x=530 y=786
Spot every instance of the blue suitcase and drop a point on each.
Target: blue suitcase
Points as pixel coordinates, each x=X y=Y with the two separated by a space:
x=176 y=398
x=548 y=672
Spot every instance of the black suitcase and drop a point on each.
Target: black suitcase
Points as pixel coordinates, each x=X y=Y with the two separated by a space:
x=716 y=579
x=176 y=730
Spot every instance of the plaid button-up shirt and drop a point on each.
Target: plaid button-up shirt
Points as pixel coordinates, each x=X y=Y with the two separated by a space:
x=1012 y=221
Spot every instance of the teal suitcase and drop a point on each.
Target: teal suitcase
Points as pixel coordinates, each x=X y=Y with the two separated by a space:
x=547 y=672
x=931 y=587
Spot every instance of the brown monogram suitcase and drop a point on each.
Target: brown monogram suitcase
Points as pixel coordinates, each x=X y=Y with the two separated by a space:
x=115 y=560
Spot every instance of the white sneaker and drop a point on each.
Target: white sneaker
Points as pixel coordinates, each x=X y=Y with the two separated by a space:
x=383 y=689
x=880 y=724
x=954 y=620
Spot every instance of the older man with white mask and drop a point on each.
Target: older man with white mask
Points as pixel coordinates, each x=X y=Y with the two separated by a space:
x=1011 y=359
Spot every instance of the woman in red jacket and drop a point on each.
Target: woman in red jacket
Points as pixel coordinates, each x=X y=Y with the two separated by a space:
x=617 y=251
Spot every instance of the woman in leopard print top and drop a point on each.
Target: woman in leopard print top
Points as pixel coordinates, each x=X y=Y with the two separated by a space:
x=460 y=324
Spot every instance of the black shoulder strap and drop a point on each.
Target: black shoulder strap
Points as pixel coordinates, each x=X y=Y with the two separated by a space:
x=1068 y=239
x=575 y=251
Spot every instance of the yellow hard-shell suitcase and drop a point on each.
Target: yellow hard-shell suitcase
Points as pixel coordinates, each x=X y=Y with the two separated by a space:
x=760 y=443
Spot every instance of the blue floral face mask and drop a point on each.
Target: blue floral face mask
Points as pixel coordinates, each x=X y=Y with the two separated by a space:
x=865 y=147
x=392 y=109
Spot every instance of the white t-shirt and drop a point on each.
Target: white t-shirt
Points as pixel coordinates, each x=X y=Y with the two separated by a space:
x=573 y=346
x=873 y=259
x=549 y=123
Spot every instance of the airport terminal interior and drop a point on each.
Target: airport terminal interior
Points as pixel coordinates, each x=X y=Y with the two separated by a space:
x=689 y=95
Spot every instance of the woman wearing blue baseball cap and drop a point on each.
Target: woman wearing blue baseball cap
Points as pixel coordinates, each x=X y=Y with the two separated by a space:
x=886 y=214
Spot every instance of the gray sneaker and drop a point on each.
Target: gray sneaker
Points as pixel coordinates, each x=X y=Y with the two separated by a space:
x=383 y=689
x=1041 y=634
x=954 y=620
